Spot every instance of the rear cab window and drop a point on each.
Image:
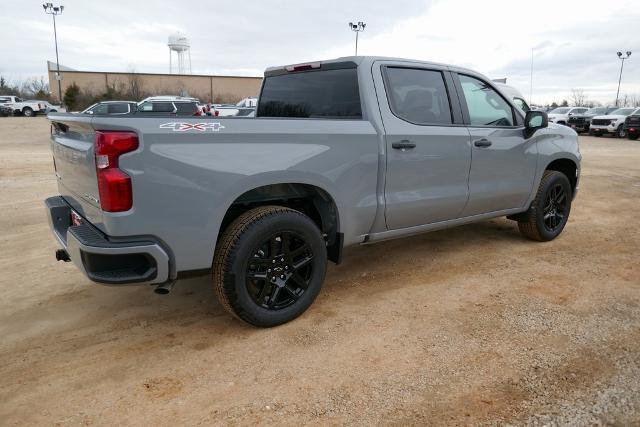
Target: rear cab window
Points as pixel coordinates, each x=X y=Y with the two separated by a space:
x=325 y=94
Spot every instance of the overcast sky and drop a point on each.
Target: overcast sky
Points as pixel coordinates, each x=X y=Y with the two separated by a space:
x=573 y=42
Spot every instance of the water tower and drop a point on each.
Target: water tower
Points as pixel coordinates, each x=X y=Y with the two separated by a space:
x=179 y=43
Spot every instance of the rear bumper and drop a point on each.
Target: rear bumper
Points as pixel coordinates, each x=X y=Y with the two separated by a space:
x=103 y=259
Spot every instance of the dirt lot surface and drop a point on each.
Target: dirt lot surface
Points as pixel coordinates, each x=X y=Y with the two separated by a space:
x=470 y=325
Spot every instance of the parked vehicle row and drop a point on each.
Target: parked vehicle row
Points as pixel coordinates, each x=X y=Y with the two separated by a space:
x=596 y=121
x=14 y=105
x=582 y=122
x=175 y=105
x=612 y=123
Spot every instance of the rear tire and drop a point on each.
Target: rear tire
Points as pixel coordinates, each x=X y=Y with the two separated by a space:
x=28 y=112
x=549 y=211
x=633 y=137
x=269 y=265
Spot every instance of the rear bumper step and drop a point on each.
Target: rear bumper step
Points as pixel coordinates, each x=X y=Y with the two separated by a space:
x=101 y=259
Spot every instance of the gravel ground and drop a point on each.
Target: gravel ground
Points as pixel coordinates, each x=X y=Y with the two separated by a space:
x=472 y=325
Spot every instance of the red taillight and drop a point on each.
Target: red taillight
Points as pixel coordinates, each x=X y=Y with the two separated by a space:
x=216 y=113
x=114 y=186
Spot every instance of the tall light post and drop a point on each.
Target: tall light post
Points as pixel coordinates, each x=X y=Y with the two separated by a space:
x=621 y=67
x=52 y=10
x=357 y=28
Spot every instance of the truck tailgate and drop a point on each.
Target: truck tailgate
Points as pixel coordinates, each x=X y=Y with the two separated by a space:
x=72 y=144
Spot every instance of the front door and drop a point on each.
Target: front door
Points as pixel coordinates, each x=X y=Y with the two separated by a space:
x=503 y=162
x=428 y=148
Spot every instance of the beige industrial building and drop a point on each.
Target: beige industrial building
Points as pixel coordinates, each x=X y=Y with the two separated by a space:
x=208 y=88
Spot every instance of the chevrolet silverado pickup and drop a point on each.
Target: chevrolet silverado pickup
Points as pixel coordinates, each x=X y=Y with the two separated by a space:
x=342 y=152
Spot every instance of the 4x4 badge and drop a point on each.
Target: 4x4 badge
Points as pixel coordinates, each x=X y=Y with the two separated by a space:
x=183 y=126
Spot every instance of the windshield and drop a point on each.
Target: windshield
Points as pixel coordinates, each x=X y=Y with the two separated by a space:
x=596 y=111
x=622 y=111
x=560 y=111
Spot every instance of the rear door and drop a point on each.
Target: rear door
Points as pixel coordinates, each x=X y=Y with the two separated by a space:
x=428 y=147
x=503 y=162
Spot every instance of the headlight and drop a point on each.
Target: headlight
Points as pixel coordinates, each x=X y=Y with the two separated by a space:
x=613 y=123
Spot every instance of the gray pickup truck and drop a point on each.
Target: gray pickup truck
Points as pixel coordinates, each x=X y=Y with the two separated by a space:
x=349 y=151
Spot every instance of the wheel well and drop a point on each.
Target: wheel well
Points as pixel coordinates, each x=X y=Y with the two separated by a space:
x=308 y=199
x=567 y=167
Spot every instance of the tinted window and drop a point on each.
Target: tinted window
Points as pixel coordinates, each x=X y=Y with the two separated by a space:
x=186 y=107
x=486 y=107
x=100 y=109
x=315 y=94
x=418 y=96
x=157 y=107
x=118 y=108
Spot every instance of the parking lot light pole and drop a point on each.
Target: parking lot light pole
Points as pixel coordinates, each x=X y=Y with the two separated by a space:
x=52 y=10
x=357 y=28
x=621 y=67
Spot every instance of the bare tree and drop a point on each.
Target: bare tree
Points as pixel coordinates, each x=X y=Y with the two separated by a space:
x=37 y=85
x=134 y=84
x=578 y=98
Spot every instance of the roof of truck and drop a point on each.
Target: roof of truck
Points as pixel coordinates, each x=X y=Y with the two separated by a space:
x=358 y=60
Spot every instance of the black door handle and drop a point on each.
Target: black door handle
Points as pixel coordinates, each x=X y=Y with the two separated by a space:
x=403 y=145
x=482 y=143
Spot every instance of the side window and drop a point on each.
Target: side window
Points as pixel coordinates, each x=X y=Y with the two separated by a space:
x=146 y=106
x=418 y=96
x=521 y=104
x=162 y=107
x=186 y=107
x=118 y=108
x=101 y=109
x=486 y=107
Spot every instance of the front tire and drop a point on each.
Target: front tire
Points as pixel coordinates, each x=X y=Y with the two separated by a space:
x=633 y=136
x=621 y=133
x=28 y=112
x=269 y=265
x=549 y=211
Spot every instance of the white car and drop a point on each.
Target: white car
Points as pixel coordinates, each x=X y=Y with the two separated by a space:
x=561 y=115
x=612 y=123
x=26 y=108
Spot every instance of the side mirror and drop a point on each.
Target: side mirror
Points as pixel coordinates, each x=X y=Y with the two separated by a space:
x=535 y=120
x=88 y=112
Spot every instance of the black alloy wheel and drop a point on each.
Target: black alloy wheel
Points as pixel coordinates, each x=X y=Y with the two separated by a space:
x=555 y=209
x=280 y=270
x=269 y=265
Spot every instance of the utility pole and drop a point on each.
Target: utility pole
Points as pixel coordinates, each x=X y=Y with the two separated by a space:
x=531 y=81
x=357 y=28
x=621 y=67
x=52 y=10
